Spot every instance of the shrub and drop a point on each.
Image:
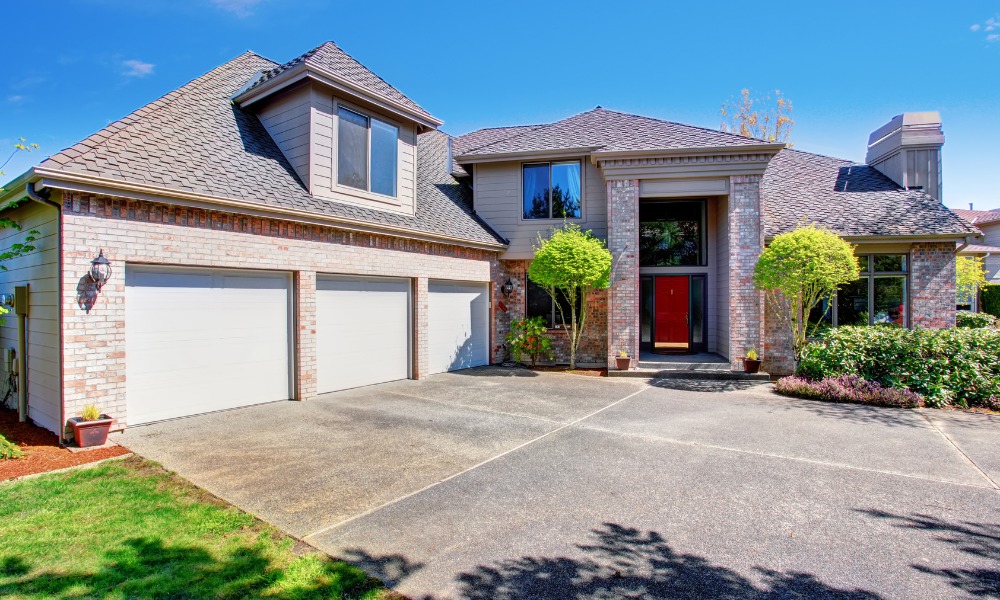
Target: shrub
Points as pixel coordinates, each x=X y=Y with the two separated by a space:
x=527 y=338
x=9 y=449
x=991 y=299
x=848 y=388
x=90 y=412
x=973 y=320
x=947 y=366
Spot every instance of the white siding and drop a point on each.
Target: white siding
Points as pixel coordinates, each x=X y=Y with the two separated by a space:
x=497 y=189
x=39 y=269
x=287 y=121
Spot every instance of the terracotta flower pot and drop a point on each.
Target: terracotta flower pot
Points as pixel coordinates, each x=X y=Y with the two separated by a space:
x=91 y=433
x=623 y=363
x=751 y=365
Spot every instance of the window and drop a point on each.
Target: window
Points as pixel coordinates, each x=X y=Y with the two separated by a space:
x=551 y=190
x=672 y=233
x=366 y=153
x=539 y=303
x=879 y=297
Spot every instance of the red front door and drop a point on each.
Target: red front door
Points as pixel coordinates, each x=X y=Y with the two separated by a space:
x=672 y=302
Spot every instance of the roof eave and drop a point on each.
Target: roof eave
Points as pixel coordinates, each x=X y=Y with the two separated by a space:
x=307 y=70
x=937 y=237
x=534 y=154
x=14 y=189
x=771 y=149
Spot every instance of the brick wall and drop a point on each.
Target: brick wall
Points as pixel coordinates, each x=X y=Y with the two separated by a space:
x=623 y=242
x=143 y=232
x=746 y=241
x=777 y=357
x=593 y=342
x=932 y=285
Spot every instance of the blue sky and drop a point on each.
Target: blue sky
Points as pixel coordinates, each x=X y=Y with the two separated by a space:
x=76 y=65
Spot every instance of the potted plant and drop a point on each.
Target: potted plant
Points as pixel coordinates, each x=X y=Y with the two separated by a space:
x=751 y=362
x=91 y=427
x=623 y=361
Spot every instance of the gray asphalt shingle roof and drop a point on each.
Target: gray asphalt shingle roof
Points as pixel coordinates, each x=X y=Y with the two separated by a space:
x=331 y=58
x=195 y=140
x=602 y=129
x=853 y=200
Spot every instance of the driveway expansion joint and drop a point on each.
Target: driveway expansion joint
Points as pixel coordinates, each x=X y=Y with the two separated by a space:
x=958 y=449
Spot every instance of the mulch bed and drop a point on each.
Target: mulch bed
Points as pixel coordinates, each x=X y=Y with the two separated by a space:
x=41 y=449
x=589 y=372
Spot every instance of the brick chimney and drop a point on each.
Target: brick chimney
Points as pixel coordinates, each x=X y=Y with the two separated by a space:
x=907 y=149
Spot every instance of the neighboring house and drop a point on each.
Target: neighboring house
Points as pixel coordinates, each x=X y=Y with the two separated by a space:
x=282 y=231
x=987 y=221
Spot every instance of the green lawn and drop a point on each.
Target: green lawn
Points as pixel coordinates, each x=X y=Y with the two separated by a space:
x=129 y=529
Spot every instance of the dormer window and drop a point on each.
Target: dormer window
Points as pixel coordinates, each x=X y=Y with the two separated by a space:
x=367 y=150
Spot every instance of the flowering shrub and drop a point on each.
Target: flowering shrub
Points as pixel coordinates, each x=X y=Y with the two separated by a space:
x=527 y=339
x=848 y=388
x=945 y=366
x=973 y=320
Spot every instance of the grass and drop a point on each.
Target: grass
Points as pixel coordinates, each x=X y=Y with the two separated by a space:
x=129 y=529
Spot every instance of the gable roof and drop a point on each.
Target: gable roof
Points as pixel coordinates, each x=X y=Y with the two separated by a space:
x=854 y=200
x=196 y=140
x=329 y=58
x=978 y=217
x=599 y=130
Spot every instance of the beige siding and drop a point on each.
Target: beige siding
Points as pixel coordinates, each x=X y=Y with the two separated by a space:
x=721 y=292
x=287 y=121
x=39 y=269
x=992 y=235
x=497 y=188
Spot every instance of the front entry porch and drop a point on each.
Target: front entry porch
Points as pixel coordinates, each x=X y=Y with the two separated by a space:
x=700 y=365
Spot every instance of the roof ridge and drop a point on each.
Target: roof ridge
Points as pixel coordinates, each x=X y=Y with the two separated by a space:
x=678 y=123
x=506 y=138
x=116 y=128
x=844 y=160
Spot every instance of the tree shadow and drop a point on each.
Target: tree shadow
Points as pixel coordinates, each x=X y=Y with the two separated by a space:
x=707 y=386
x=857 y=413
x=391 y=569
x=624 y=562
x=147 y=568
x=980 y=540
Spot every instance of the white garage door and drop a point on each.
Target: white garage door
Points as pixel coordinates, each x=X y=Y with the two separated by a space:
x=200 y=340
x=459 y=321
x=362 y=331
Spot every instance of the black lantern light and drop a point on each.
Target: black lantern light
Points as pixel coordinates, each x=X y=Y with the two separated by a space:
x=507 y=288
x=100 y=270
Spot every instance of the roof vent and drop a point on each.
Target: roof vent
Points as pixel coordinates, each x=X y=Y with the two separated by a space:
x=907 y=149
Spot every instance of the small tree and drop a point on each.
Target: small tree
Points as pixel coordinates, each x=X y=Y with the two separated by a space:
x=570 y=264
x=798 y=271
x=970 y=277
x=764 y=118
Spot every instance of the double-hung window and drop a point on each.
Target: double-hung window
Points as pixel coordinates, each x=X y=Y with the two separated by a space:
x=551 y=190
x=367 y=151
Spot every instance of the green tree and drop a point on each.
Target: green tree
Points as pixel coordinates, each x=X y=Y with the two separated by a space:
x=798 y=271
x=570 y=264
x=970 y=276
x=765 y=118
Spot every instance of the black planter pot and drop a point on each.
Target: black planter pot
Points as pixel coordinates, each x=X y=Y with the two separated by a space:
x=751 y=365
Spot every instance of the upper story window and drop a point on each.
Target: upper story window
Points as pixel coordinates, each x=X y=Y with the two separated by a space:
x=672 y=233
x=367 y=150
x=551 y=190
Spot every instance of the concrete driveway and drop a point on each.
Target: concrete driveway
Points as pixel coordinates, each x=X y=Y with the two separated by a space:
x=494 y=483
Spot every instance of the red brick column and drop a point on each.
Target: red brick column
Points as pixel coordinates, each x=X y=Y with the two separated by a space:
x=623 y=242
x=746 y=241
x=932 y=281
x=517 y=272
x=305 y=335
x=421 y=306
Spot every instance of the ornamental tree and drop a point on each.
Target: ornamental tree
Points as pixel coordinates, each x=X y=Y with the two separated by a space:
x=798 y=271
x=970 y=276
x=570 y=264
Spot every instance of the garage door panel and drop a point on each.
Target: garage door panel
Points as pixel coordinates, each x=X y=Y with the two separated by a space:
x=458 y=320
x=199 y=341
x=362 y=331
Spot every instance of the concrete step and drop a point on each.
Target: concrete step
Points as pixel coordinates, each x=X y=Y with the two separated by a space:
x=685 y=366
x=708 y=374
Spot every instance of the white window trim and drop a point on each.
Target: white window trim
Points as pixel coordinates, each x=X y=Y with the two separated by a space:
x=550 y=162
x=335 y=184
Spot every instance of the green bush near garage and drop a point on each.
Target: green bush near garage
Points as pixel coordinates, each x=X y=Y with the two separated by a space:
x=991 y=299
x=957 y=366
x=973 y=320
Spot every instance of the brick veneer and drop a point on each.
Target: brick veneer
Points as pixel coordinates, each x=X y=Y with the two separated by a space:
x=932 y=285
x=623 y=242
x=132 y=231
x=746 y=241
x=777 y=357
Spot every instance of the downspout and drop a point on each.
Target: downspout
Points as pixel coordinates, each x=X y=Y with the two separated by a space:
x=29 y=190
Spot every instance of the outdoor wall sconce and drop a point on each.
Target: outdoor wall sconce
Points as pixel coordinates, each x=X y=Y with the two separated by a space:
x=507 y=288
x=100 y=270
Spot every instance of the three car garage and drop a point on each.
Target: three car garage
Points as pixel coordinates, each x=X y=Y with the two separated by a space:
x=202 y=340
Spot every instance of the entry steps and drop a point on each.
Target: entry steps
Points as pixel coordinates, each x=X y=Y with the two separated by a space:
x=697 y=366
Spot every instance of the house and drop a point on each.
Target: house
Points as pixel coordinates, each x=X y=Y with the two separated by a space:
x=280 y=231
x=988 y=222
